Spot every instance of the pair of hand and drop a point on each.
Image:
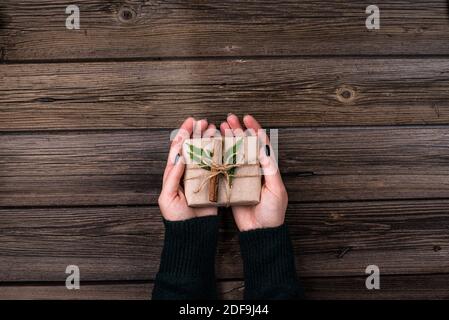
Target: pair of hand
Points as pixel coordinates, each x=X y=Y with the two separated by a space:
x=269 y=213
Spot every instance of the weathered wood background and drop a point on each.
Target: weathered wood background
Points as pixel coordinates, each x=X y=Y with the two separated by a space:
x=85 y=117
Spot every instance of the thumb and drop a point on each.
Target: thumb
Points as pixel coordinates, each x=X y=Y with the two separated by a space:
x=173 y=179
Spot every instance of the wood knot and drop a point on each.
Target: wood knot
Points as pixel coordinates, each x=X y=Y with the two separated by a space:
x=345 y=94
x=126 y=14
x=436 y=248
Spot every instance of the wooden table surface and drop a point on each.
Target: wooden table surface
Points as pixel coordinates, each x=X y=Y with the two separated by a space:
x=85 y=117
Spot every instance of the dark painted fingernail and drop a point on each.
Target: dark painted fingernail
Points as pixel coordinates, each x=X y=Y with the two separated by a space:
x=177 y=158
x=267 y=150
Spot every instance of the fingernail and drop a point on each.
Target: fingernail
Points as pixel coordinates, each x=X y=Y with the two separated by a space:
x=177 y=158
x=230 y=114
x=267 y=150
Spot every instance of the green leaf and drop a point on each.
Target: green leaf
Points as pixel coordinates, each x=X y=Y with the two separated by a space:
x=231 y=153
x=231 y=158
x=196 y=155
x=231 y=173
x=195 y=150
x=199 y=153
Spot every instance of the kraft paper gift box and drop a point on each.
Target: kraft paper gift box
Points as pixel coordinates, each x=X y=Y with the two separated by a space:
x=238 y=181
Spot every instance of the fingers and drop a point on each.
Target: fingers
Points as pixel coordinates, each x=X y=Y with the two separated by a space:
x=210 y=132
x=268 y=162
x=173 y=156
x=184 y=132
x=226 y=130
x=251 y=123
x=266 y=154
x=199 y=128
x=176 y=166
x=270 y=168
x=234 y=124
x=253 y=127
x=173 y=179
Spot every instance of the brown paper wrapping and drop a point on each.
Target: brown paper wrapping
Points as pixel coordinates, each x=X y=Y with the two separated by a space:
x=246 y=185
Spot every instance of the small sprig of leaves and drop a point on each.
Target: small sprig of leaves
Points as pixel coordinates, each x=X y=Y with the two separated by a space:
x=203 y=157
x=200 y=156
x=231 y=158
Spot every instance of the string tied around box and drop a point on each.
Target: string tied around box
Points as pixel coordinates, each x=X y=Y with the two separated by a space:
x=216 y=170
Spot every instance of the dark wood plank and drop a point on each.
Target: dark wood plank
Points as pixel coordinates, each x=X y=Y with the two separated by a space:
x=280 y=93
x=174 y=28
x=124 y=243
x=408 y=287
x=101 y=291
x=348 y=288
x=127 y=291
x=404 y=287
x=125 y=167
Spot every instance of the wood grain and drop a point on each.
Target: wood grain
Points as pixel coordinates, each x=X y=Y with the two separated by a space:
x=280 y=93
x=30 y=291
x=398 y=287
x=419 y=287
x=125 y=167
x=170 y=28
x=124 y=243
x=101 y=291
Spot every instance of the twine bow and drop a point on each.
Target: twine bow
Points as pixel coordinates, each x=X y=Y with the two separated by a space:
x=220 y=169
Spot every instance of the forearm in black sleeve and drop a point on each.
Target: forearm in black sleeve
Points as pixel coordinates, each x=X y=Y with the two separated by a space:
x=269 y=264
x=187 y=268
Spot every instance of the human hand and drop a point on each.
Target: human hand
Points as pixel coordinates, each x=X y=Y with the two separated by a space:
x=270 y=211
x=172 y=201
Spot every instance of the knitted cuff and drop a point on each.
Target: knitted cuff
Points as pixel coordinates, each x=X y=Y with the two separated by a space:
x=268 y=263
x=189 y=247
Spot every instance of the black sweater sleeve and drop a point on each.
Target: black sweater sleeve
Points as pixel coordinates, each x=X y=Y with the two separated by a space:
x=269 y=264
x=187 y=262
